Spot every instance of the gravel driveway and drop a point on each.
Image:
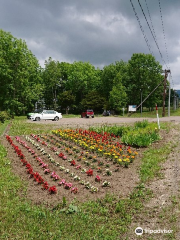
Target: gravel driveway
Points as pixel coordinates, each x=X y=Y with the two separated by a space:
x=87 y=122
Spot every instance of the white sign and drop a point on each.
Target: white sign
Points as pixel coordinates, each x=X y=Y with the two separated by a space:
x=132 y=108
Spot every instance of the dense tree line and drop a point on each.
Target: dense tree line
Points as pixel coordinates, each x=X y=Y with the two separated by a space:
x=73 y=86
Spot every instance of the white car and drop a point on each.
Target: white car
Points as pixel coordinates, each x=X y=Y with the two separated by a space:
x=46 y=115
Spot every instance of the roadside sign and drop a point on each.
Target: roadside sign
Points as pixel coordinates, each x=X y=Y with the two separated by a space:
x=132 y=108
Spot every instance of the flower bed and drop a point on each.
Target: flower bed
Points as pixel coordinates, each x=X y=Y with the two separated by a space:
x=77 y=161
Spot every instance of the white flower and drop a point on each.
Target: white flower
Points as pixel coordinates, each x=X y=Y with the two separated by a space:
x=61 y=168
x=106 y=184
x=94 y=189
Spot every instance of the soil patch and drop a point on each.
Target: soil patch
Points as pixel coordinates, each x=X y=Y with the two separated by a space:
x=122 y=181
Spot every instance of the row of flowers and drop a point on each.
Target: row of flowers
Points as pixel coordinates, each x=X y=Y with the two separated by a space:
x=104 y=145
x=37 y=177
x=46 y=169
x=81 y=155
x=75 y=177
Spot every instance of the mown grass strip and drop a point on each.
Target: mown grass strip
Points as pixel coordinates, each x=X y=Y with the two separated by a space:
x=3 y=127
x=152 y=158
x=22 y=127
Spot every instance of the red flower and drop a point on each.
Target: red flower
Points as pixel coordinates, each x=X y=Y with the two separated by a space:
x=52 y=189
x=30 y=171
x=38 y=178
x=45 y=185
x=73 y=163
x=64 y=157
x=97 y=179
x=28 y=165
x=78 y=167
x=46 y=171
x=21 y=156
x=61 y=155
x=67 y=185
x=24 y=161
x=90 y=172
x=74 y=190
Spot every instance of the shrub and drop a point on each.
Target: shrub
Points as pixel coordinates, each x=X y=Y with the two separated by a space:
x=142 y=124
x=141 y=137
x=4 y=116
x=142 y=134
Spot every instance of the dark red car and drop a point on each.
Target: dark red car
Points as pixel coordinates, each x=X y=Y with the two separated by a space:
x=88 y=113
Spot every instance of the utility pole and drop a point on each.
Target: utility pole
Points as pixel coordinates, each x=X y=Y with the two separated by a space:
x=169 y=100
x=164 y=91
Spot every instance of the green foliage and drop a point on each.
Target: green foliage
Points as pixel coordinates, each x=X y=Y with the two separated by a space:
x=118 y=96
x=93 y=100
x=77 y=85
x=142 y=134
x=151 y=160
x=20 y=75
x=22 y=127
x=144 y=74
x=141 y=124
x=4 y=116
x=66 y=100
x=52 y=77
x=141 y=137
x=110 y=74
x=116 y=130
x=82 y=79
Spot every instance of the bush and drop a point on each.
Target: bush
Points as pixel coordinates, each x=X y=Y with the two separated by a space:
x=142 y=124
x=142 y=134
x=4 y=116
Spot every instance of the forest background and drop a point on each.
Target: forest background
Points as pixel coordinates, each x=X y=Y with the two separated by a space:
x=72 y=87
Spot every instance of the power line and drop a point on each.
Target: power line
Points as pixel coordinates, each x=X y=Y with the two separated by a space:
x=144 y=35
x=163 y=31
x=165 y=39
x=151 y=28
x=151 y=31
x=151 y=20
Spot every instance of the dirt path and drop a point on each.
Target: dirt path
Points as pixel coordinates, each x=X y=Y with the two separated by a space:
x=162 y=211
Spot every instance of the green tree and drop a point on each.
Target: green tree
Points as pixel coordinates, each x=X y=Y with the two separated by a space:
x=52 y=78
x=109 y=74
x=144 y=74
x=82 y=78
x=66 y=100
x=20 y=75
x=93 y=100
x=118 y=96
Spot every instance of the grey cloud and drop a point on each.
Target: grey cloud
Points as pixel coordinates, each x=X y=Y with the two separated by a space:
x=98 y=31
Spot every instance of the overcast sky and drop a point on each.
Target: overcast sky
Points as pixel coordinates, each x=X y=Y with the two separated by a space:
x=97 y=31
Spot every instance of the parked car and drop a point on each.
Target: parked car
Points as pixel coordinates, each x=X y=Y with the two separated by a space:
x=46 y=115
x=106 y=113
x=36 y=111
x=88 y=113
